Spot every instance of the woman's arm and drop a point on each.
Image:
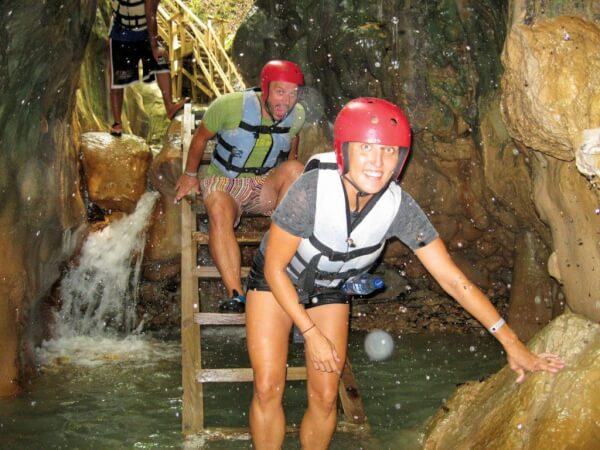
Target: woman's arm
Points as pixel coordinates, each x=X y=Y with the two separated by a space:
x=281 y=247
x=438 y=262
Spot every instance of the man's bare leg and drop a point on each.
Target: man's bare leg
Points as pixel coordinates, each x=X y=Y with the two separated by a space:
x=163 y=79
x=222 y=243
x=278 y=182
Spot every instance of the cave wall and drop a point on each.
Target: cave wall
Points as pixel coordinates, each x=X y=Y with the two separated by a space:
x=440 y=61
x=552 y=110
x=41 y=209
x=494 y=159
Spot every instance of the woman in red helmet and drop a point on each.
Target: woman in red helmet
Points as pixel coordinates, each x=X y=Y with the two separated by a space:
x=331 y=226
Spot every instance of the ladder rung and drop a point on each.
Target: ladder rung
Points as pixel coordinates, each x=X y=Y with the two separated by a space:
x=212 y=272
x=243 y=237
x=219 y=319
x=242 y=375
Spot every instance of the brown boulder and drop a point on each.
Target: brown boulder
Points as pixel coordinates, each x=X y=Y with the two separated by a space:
x=546 y=411
x=115 y=169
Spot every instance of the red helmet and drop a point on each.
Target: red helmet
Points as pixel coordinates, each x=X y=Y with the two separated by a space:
x=279 y=70
x=373 y=121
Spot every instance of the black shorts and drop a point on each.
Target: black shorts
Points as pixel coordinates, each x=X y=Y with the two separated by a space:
x=317 y=297
x=124 y=59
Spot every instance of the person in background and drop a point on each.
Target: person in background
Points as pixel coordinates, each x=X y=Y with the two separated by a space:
x=252 y=166
x=331 y=226
x=133 y=37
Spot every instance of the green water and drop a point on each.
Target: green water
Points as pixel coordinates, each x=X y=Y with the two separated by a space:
x=129 y=397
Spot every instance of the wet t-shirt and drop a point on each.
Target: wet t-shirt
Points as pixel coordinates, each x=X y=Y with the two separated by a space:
x=296 y=215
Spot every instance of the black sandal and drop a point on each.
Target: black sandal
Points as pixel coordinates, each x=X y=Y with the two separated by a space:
x=114 y=131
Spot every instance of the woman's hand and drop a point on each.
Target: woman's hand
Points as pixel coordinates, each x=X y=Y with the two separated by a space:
x=321 y=351
x=521 y=360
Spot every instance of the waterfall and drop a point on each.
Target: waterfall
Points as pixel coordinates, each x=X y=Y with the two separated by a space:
x=99 y=294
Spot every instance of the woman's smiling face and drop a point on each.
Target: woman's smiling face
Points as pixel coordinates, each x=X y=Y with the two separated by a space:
x=371 y=166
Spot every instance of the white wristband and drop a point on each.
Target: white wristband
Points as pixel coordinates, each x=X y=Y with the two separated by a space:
x=190 y=174
x=494 y=328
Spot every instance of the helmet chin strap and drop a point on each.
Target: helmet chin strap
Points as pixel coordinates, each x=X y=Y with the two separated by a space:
x=359 y=193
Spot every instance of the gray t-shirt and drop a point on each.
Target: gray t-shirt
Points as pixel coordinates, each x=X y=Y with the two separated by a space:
x=296 y=215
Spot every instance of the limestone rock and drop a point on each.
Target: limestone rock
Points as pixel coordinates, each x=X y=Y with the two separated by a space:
x=588 y=153
x=560 y=411
x=163 y=248
x=116 y=169
x=550 y=83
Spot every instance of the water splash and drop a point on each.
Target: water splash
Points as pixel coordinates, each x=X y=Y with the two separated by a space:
x=99 y=295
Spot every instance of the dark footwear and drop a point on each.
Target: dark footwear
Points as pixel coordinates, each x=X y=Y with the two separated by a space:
x=116 y=130
x=180 y=106
x=236 y=304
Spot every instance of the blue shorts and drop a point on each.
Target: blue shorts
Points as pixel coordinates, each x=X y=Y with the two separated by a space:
x=317 y=297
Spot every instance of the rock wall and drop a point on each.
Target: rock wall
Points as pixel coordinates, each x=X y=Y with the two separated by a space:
x=41 y=209
x=550 y=104
x=546 y=411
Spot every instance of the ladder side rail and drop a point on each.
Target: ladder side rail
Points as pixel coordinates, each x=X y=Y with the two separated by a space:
x=350 y=398
x=193 y=402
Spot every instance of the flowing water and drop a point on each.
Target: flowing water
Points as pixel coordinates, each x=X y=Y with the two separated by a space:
x=126 y=394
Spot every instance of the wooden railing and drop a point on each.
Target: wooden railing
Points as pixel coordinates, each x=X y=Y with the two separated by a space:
x=196 y=53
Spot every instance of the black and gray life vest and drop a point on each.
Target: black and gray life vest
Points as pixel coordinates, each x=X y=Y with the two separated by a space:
x=130 y=14
x=341 y=245
x=234 y=146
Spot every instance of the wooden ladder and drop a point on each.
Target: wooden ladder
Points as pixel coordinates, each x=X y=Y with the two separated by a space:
x=194 y=375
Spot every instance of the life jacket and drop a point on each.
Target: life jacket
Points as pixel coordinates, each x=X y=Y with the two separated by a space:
x=341 y=246
x=130 y=14
x=233 y=147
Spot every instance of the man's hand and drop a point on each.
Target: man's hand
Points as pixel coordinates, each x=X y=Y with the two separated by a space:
x=186 y=184
x=159 y=53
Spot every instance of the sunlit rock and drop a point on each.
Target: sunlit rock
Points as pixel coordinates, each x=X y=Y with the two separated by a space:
x=550 y=83
x=587 y=157
x=546 y=411
x=163 y=248
x=115 y=169
x=565 y=201
x=550 y=97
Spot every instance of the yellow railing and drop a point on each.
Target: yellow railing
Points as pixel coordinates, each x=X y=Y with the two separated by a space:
x=196 y=53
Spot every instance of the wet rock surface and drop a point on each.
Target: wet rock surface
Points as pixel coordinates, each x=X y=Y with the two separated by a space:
x=558 y=411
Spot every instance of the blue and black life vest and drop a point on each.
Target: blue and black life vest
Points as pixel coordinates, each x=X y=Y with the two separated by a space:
x=235 y=146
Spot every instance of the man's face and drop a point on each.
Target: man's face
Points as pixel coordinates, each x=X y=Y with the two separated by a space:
x=283 y=95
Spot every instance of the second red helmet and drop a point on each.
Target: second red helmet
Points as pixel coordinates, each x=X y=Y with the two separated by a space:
x=374 y=121
x=280 y=70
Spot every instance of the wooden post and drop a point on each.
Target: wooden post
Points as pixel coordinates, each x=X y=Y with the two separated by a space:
x=193 y=402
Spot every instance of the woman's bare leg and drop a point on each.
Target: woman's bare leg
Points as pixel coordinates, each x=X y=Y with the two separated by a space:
x=320 y=419
x=267 y=331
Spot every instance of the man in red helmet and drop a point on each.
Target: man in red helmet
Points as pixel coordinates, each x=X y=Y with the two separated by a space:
x=330 y=227
x=252 y=166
